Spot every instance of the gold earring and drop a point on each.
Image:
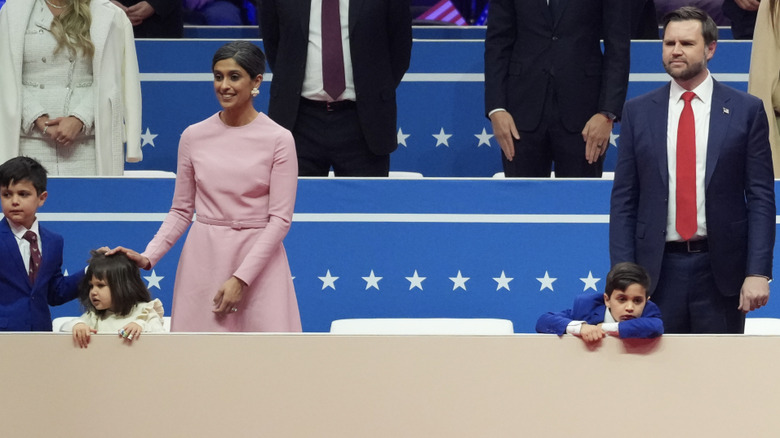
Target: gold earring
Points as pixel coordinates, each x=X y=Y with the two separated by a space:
x=255 y=92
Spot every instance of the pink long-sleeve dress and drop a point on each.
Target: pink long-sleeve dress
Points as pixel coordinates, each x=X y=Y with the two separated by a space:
x=240 y=182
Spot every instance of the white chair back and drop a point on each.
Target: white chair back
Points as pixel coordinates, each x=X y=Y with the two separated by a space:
x=422 y=326
x=762 y=326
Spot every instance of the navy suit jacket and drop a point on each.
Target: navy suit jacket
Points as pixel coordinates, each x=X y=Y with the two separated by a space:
x=591 y=309
x=380 y=42
x=25 y=306
x=739 y=187
x=527 y=51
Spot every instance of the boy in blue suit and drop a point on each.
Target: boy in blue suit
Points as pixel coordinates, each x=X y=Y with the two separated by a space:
x=623 y=310
x=30 y=256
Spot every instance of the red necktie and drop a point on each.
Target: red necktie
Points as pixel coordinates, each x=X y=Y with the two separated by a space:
x=332 y=53
x=686 y=170
x=35 y=254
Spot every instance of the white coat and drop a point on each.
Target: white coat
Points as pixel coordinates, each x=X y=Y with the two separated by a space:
x=115 y=73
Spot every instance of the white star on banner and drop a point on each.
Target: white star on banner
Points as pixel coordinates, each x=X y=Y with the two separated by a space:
x=441 y=138
x=459 y=281
x=415 y=281
x=148 y=138
x=153 y=280
x=328 y=281
x=401 y=137
x=66 y=273
x=613 y=139
x=546 y=282
x=590 y=282
x=484 y=138
x=372 y=280
x=503 y=281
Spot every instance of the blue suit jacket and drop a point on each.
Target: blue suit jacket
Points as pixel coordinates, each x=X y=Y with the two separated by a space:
x=739 y=187
x=25 y=306
x=591 y=309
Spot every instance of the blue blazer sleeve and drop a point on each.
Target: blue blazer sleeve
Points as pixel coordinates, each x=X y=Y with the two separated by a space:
x=59 y=288
x=554 y=322
x=587 y=307
x=649 y=325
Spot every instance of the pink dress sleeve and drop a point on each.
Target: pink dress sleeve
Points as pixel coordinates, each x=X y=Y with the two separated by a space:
x=182 y=207
x=283 y=186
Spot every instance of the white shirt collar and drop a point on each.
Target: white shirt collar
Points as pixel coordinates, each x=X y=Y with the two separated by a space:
x=703 y=91
x=608 y=316
x=19 y=230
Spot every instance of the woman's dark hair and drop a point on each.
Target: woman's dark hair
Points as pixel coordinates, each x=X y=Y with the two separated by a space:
x=247 y=55
x=122 y=277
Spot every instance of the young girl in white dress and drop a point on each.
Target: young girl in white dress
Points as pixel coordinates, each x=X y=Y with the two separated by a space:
x=116 y=301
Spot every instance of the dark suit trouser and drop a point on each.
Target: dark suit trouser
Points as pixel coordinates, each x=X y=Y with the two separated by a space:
x=689 y=299
x=536 y=150
x=742 y=21
x=325 y=139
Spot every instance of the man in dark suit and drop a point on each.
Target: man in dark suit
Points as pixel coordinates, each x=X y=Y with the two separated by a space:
x=352 y=128
x=693 y=197
x=154 y=18
x=551 y=94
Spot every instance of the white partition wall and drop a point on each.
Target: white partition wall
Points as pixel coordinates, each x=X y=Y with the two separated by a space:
x=324 y=385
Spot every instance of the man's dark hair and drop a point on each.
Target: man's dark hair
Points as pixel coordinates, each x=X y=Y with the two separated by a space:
x=709 y=29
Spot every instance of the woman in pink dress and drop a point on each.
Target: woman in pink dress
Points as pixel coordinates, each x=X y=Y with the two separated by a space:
x=237 y=170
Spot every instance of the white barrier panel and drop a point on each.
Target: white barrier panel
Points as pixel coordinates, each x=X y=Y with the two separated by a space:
x=325 y=385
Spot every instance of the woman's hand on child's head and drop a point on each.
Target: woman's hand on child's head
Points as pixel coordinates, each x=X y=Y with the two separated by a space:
x=130 y=332
x=227 y=299
x=141 y=261
x=591 y=333
x=81 y=333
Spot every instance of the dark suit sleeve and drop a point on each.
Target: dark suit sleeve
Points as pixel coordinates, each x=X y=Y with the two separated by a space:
x=163 y=8
x=499 y=44
x=269 y=26
x=625 y=197
x=399 y=26
x=760 y=197
x=616 y=25
x=554 y=322
x=649 y=325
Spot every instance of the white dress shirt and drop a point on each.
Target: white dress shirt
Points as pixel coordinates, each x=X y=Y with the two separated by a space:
x=24 y=245
x=610 y=326
x=701 y=105
x=312 y=80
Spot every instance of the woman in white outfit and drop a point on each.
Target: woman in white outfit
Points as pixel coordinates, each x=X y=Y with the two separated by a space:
x=70 y=85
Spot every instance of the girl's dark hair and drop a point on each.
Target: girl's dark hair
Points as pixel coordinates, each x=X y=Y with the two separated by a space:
x=122 y=277
x=247 y=55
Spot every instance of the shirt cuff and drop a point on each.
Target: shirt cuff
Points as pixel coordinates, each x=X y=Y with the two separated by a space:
x=574 y=327
x=611 y=328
